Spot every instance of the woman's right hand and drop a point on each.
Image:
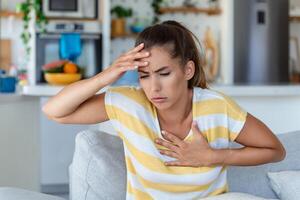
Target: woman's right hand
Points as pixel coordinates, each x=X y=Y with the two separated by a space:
x=126 y=62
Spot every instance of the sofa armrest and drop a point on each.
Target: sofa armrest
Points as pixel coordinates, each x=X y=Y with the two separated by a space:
x=98 y=167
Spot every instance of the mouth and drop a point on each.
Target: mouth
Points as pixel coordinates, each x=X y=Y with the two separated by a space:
x=159 y=99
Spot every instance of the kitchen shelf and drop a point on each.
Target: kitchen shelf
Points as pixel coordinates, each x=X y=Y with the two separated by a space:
x=294 y=18
x=74 y=19
x=208 y=11
x=7 y=13
x=126 y=35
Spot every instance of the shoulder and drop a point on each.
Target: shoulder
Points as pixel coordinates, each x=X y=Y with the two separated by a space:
x=215 y=101
x=125 y=90
x=124 y=95
x=131 y=92
x=206 y=95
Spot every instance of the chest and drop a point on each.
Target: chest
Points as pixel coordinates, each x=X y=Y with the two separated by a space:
x=181 y=130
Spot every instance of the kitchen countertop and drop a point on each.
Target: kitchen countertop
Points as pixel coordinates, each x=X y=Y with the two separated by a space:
x=231 y=90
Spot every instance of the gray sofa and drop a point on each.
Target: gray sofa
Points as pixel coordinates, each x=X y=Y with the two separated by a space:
x=98 y=172
x=98 y=169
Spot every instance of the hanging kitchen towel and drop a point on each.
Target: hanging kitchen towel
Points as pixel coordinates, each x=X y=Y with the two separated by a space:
x=70 y=46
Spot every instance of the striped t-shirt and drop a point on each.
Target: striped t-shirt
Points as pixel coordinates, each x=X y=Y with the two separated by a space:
x=134 y=118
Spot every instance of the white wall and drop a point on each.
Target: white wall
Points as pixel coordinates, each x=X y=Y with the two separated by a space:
x=11 y=28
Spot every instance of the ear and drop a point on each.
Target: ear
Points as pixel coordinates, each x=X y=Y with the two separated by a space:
x=189 y=70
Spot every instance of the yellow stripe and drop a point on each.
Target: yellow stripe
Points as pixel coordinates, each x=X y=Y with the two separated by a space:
x=136 y=95
x=129 y=165
x=132 y=123
x=173 y=188
x=233 y=136
x=157 y=165
x=137 y=193
x=216 y=106
x=213 y=134
x=219 y=191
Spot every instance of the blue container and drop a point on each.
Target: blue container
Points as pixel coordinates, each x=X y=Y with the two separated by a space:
x=7 y=84
x=130 y=78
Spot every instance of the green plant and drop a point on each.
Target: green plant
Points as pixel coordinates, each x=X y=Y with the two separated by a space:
x=26 y=8
x=121 y=12
x=156 y=9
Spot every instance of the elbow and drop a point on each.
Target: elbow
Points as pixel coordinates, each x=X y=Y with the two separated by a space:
x=50 y=116
x=280 y=154
x=46 y=112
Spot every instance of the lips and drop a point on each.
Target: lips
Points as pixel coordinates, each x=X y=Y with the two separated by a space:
x=158 y=99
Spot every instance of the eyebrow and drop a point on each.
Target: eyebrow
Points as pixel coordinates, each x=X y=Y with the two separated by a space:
x=156 y=71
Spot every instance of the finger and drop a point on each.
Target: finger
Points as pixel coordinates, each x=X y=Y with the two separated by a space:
x=171 y=137
x=135 y=56
x=169 y=153
x=135 y=63
x=198 y=133
x=127 y=68
x=167 y=145
x=195 y=128
x=176 y=163
x=136 y=49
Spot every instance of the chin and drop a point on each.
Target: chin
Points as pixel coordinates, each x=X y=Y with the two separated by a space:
x=162 y=106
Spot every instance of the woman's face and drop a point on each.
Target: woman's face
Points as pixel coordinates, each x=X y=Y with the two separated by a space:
x=163 y=79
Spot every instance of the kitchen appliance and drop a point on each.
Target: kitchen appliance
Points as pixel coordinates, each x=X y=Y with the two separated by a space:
x=48 y=46
x=70 y=8
x=261 y=47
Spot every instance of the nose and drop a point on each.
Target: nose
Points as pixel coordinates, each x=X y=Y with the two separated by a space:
x=155 y=84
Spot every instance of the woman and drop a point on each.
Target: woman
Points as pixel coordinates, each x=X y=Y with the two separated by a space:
x=176 y=132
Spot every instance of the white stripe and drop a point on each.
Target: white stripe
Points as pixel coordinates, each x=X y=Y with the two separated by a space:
x=140 y=142
x=156 y=194
x=131 y=107
x=190 y=179
x=205 y=94
x=220 y=143
x=129 y=196
x=214 y=120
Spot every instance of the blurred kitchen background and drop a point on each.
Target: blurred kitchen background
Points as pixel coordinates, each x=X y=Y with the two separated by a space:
x=251 y=49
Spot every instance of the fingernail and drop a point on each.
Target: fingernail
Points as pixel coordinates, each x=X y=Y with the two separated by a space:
x=163 y=132
x=145 y=63
x=135 y=67
x=147 y=53
x=141 y=44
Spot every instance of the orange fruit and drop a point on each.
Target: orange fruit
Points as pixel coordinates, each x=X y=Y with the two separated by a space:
x=70 y=68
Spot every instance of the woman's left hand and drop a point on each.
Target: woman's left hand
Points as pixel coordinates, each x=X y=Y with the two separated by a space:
x=196 y=153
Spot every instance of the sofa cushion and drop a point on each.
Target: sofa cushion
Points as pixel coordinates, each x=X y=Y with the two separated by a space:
x=98 y=167
x=253 y=180
x=8 y=193
x=286 y=184
x=236 y=196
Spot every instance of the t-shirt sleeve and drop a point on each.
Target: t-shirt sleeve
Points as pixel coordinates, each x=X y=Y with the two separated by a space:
x=236 y=117
x=110 y=101
x=120 y=105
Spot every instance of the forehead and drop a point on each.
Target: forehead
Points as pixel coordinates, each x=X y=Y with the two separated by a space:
x=159 y=57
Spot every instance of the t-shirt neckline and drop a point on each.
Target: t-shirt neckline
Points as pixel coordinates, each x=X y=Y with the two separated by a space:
x=158 y=128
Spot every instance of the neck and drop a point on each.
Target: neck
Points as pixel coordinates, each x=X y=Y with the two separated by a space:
x=180 y=111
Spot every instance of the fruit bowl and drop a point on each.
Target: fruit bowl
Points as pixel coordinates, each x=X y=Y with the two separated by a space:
x=61 y=78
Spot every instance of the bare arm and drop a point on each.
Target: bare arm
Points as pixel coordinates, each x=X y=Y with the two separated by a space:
x=76 y=95
x=78 y=104
x=261 y=146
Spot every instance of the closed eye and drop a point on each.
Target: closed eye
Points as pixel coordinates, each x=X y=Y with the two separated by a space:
x=144 y=76
x=165 y=74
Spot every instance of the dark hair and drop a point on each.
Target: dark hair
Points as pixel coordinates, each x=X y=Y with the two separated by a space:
x=183 y=46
